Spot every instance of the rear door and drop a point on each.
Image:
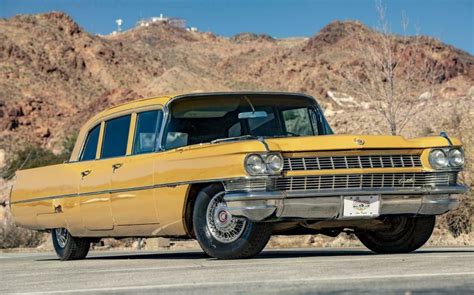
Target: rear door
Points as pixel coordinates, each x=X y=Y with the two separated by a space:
x=95 y=189
x=94 y=184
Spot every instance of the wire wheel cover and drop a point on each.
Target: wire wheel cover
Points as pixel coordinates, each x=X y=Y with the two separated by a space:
x=221 y=224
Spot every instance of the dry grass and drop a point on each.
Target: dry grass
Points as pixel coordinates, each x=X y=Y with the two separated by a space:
x=12 y=236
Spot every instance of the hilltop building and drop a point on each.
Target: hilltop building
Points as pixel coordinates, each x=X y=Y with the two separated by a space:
x=173 y=21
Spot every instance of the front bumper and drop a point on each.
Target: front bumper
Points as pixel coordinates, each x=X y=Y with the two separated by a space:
x=327 y=204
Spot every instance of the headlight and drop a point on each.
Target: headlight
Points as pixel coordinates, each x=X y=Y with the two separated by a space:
x=255 y=165
x=438 y=159
x=274 y=163
x=264 y=164
x=456 y=158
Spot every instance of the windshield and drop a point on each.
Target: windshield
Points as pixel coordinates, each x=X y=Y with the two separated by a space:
x=205 y=119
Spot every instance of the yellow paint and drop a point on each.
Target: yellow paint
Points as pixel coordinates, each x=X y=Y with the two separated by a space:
x=135 y=171
x=131 y=133
x=95 y=209
x=146 y=194
x=99 y=145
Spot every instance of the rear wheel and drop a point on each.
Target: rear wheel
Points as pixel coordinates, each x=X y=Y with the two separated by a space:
x=222 y=235
x=68 y=247
x=405 y=234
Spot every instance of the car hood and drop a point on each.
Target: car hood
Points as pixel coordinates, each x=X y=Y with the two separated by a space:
x=347 y=142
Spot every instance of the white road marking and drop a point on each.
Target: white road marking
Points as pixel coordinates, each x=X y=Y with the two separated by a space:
x=220 y=264
x=212 y=284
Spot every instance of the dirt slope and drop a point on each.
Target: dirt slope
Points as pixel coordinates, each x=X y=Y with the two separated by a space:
x=54 y=75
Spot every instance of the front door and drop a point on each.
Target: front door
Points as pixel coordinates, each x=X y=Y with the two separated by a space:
x=133 y=196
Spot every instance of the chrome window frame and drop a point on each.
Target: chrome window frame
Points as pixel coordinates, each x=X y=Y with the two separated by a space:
x=167 y=116
x=83 y=146
x=157 y=130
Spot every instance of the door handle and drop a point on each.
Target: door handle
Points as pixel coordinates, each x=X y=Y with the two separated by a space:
x=85 y=173
x=116 y=166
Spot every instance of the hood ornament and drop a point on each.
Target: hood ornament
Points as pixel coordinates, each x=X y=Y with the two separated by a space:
x=359 y=141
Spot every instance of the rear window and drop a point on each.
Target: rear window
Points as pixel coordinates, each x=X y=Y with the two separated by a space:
x=115 y=137
x=90 y=148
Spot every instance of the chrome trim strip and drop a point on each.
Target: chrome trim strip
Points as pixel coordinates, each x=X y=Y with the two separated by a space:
x=445 y=135
x=247 y=196
x=457 y=189
x=265 y=144
x=331 y=208
x=10 y=196
x=40 y=199
x=138 y=188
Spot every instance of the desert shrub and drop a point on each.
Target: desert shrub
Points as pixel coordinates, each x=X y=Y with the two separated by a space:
x=459 y=221
x=114 y=243
x=12 y=236
x=33 y=156
x=427 y=131
x=68 y=145
x=30 y=157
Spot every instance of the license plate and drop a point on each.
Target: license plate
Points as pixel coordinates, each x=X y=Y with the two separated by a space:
x=360 y=206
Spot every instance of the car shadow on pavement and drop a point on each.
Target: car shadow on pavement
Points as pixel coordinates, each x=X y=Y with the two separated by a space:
x=140 y=255
x=293 y=253
x=266 y=254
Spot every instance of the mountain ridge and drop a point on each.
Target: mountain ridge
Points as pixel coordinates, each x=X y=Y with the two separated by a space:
x=54 y=75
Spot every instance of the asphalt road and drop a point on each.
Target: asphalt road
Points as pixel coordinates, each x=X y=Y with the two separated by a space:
x=274 y=271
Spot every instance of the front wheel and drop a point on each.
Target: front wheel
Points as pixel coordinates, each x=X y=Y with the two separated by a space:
x=68 y=247
x=222 y=235
x=404 y=235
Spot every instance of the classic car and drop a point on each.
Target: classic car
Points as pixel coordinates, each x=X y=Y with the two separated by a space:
x=232 y=169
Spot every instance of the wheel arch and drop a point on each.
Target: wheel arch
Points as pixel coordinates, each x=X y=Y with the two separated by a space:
x=190 y=200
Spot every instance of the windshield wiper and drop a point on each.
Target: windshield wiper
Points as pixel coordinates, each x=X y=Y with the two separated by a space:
x=284 y=135
x=242 y=137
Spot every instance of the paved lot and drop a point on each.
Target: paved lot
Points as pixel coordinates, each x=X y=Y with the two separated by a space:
x=274 y=271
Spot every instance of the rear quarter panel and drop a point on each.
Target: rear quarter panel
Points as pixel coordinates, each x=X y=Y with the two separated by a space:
x=32 y=199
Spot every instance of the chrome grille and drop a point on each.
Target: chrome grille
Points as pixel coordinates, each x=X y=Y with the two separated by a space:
x=348 y=162
x=363 y=181
x=246 y=185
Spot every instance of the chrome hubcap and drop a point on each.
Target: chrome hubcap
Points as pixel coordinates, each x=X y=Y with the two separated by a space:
x=222 y=225
x=62 y=236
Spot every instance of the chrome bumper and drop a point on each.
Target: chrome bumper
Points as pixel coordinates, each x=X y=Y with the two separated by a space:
x=327 y=204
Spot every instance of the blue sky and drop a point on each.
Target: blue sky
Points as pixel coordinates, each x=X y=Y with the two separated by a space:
x=451 y=21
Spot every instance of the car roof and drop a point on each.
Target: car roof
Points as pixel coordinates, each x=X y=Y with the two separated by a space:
x=149 y=102
x=165 y=99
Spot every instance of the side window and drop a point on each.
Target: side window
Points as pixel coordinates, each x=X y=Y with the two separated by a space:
x=90 y=147
x=315 y=122
x=297 y=121
x=235 y=130
x=115 y=137
x=148 y=126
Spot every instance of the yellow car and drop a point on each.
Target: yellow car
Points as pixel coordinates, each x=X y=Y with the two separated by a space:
x=231 y=169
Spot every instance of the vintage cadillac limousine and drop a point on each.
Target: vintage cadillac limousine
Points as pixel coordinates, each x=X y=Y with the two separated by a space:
x=231 y=169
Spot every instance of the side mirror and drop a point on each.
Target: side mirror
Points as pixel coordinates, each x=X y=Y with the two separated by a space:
x=253 y=115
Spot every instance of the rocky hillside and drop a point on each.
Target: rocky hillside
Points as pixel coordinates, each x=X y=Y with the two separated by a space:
x=54 y=75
